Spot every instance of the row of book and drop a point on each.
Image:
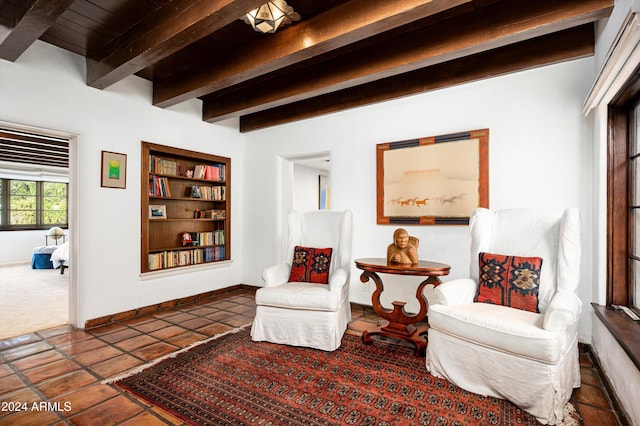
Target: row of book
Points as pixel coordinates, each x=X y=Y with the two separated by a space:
x=159 y=187
x=207 y=238
x=218 y=193
x=172 y=258
x=210 y=172
x=210 y=214
x=163 y=166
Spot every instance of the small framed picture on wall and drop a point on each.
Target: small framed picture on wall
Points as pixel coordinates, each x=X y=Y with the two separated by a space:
x=113 y=170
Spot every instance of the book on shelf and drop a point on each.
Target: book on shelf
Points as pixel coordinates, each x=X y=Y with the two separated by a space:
x=172 y=258
x=163 y=166
x=210 y=214
x=215 y=172
x=216 y=193
x=214 y=214
x=159 y=186
x=209 y=238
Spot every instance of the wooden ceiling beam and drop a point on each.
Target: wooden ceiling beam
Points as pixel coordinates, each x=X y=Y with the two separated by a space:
x=27 y=25
x=566 y=45
x=173 y=27
x=485 y=29
x=348 y=23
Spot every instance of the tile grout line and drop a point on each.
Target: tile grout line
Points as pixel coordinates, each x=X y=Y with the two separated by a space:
x=28 y=384
x=100 y=337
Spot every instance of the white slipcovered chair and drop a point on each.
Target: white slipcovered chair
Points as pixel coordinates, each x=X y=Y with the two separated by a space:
x=530 y=359
x=301 y=313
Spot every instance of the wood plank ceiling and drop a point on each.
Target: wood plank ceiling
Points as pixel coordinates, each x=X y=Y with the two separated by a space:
x=340 y=54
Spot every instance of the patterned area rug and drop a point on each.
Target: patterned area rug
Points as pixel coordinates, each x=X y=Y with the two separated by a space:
x=232 y=380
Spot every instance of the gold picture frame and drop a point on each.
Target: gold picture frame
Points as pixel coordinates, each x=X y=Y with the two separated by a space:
x=113 y=172
x=436 y=180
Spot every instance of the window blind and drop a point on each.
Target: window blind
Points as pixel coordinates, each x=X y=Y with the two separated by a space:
x=31 y=148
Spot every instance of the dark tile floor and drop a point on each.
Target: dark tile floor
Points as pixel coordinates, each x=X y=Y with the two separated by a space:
x=61 y=369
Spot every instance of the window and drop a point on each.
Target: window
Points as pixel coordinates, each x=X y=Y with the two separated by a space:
x=623 y=286
x=26 y=204
x=22 y=202
x=54 y=203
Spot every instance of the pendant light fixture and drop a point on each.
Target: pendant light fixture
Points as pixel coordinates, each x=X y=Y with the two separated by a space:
x=271 y=16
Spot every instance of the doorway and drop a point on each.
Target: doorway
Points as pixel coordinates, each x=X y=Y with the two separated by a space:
x=34 y=298
x=300 y=180
x=311 y=182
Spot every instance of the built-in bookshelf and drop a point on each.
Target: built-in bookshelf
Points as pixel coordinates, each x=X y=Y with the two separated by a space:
x=185 y=208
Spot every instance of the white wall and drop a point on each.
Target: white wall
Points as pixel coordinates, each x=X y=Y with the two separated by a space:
x=540 y=155
x=17 y=246
x=46 y=88
x=607 y=29
x=620 y=370
x=306 y=187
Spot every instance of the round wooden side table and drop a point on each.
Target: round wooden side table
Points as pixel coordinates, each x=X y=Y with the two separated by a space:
x=400 y=324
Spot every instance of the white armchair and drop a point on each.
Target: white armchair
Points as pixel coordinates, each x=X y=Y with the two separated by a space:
x=526 y=357
x=303 y=313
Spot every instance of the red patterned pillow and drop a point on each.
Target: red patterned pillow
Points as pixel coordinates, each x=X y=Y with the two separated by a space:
x=509 y=281
x=310 y=265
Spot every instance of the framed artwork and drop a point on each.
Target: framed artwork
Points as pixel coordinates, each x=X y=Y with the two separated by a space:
x=113 y=170
x=437 y=180
x=157 y=211
x=324 y=193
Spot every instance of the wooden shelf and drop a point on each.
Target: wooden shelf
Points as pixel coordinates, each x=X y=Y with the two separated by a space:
x=176 y=248
x=623 y=329
x=185 y=219
x=205 y=181
x=184 y=199
x=165 y=184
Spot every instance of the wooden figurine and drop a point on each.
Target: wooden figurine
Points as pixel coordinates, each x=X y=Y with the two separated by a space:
x=404 y=248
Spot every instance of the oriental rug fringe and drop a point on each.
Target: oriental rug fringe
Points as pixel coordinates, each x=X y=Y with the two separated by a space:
x=231 y=380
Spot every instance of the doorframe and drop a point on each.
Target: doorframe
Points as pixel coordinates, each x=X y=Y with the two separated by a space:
x=72 y=208
x=286 y=177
